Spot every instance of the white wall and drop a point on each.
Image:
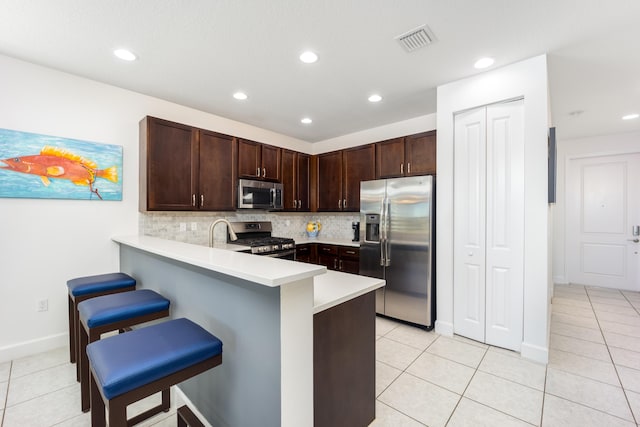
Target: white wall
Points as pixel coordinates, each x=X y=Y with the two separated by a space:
x=526 y=79
x=380 y=133
x=43 y=243
x=576 y=148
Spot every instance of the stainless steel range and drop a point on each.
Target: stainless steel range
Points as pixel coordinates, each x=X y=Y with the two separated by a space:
x=257 y=235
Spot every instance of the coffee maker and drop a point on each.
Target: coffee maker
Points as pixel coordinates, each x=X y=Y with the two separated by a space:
x=356 y=231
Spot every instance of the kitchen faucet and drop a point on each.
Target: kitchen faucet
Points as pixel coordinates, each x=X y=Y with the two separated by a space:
x=232 y=234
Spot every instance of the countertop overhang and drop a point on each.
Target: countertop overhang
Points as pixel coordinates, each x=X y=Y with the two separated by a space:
x=331 y=288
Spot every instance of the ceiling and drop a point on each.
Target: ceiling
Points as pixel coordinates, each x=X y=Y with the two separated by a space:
x=199 y=52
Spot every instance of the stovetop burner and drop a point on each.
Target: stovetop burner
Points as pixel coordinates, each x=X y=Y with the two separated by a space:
x=257 y=235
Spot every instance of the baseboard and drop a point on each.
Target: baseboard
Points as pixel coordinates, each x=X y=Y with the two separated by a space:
x=560 y=280
x=535 y=353
x=444 y=328
x=182 y=399
x=29 y=348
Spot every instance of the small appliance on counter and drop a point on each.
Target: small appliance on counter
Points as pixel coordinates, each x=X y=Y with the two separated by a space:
x=356 y=231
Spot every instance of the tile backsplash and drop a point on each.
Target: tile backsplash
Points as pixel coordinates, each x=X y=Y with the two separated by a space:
x=193 y=227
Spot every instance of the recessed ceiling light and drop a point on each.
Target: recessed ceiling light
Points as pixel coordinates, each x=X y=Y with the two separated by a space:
x=125 y=55
x=483 y=63
x=240 y=95
x=375 y=98
x=306 y=121
x=308 y=57
x=630 y=116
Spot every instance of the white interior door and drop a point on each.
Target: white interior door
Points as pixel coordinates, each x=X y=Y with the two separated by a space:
x=489 y=224
x=603 y=206
x=469 y=205
x=505 y=225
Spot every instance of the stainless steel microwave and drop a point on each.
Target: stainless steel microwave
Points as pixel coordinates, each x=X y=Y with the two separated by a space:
x=259 y=195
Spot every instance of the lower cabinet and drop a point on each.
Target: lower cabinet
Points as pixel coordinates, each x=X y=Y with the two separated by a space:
x=307 y=253
x=339 y=258
x=344 y=366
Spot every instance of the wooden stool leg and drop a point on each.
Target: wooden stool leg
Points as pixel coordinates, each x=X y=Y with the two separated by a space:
x=83 y=362
x=78 y=327
x=72 y=331
x=117 y=415
x=98 y=418
x=166 y=400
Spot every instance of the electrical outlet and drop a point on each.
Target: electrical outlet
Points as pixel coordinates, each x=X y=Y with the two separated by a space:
x=183 y=226
x=43 y=305
x=194 y=226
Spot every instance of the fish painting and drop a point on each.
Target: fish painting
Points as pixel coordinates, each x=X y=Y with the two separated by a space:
x=59 y=163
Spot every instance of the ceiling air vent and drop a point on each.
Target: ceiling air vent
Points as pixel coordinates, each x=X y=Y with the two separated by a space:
x=416 y=38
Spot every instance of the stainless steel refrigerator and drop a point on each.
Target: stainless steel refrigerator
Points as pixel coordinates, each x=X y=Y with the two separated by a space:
x=396 y=244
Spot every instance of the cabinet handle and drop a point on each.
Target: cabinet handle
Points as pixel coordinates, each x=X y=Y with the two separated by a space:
x=340 y=265
x=344 y=203
x=401 y=168
x=339 y=204
x=299 y=204
x=264 y=172
x=335 y=263
x=193 y=200
x=326 y=249
x=294 y=204
x=408 y=167
x=202 y=200
x=258 y=172
x=350 y=252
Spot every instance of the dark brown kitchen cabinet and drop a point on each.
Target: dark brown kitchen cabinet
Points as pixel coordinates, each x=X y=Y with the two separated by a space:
x=184 y=168
x=307 y=253
x=339 y=177
x=339 y=258
x=258 y=161
x=407 y=156
x=295 y=180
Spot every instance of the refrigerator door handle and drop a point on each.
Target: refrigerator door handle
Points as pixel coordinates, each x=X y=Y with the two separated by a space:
x=381 y=234
x=387 y=223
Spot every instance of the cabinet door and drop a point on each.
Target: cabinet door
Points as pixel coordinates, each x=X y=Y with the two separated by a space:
x=348 y=265
x=171 y=154
x=359 y=165
x=249 y=159
x=289 y=181
x=390 y=158
x=218 y=178
x=303 y=161
x=330 y=181
x=329 y=261
x=270 y=163
x=420 y=154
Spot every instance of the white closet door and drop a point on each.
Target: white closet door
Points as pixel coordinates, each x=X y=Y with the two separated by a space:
x=469 y=224
x=505 y=225
x=489 y=224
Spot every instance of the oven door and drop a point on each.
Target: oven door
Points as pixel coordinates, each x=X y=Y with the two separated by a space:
x=289 y=254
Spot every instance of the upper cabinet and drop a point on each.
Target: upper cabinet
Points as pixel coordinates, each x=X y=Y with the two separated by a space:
x=295 y=180
x=185 y=168
x=407 y=156
x=258 y=161
x=339 y=177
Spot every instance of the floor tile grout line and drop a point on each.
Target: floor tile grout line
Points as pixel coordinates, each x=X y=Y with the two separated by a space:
x=592 y=408
x=406 y=415
x=6 y=396
x=467 y=387
x=615 y=368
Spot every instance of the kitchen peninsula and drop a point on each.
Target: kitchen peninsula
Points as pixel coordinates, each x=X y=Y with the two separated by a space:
x=274 y=318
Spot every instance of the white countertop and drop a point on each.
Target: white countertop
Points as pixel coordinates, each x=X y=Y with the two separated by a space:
x=331 y=288
x=326 y=241
x=259 y=269
x=334 y=288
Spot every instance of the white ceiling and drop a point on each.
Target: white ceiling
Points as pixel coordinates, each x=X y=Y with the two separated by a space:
x=199 y=52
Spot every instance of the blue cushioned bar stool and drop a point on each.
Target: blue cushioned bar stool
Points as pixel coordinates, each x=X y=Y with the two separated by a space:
x=82 y=288
x=129 y=367
x=112 y=313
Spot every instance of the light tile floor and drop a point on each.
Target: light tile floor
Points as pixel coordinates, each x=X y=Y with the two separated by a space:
x=424 y=379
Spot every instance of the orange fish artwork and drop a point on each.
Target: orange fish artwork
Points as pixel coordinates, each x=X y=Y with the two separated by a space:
x=55 y=162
